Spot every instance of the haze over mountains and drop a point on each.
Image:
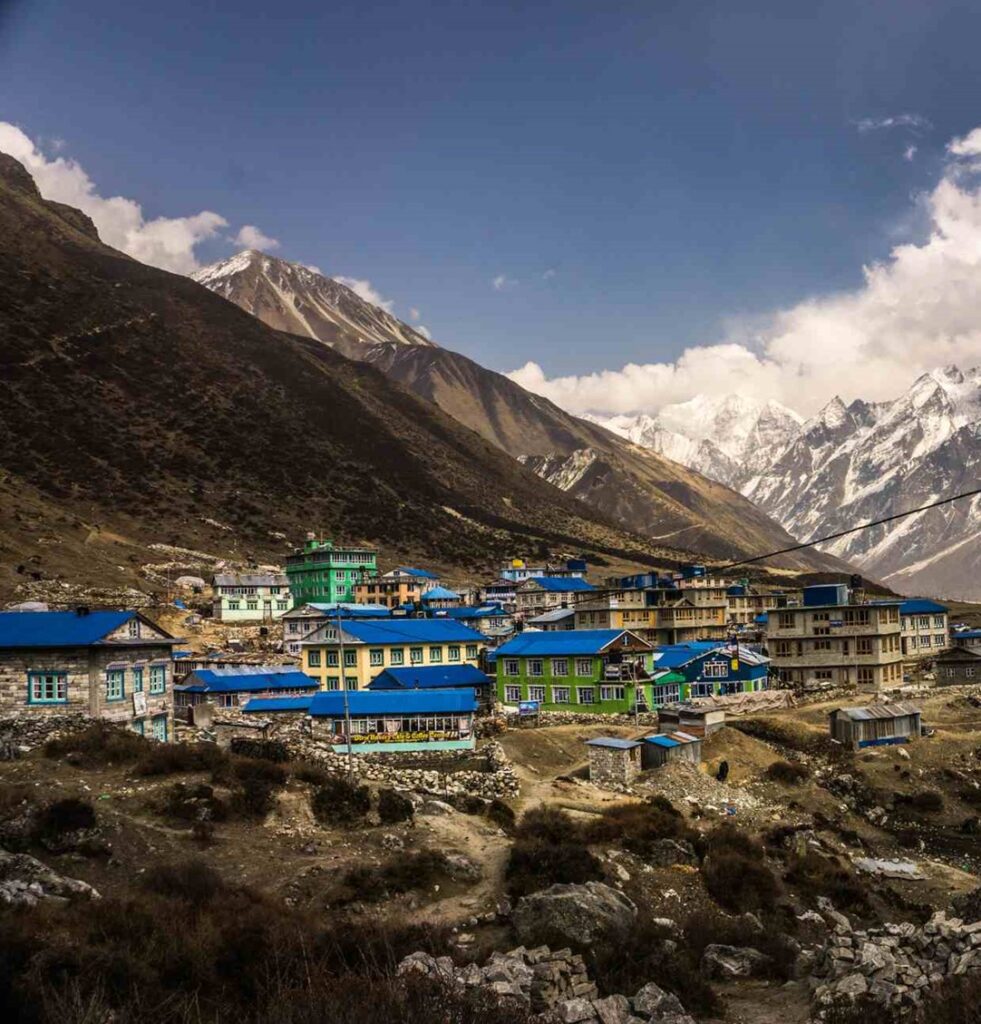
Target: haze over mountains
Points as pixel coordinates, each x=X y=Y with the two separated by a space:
x=632 y=485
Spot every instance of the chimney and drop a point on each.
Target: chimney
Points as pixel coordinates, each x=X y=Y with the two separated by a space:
x=82 y=609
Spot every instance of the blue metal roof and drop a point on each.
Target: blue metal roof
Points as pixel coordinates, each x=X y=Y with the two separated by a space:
x=440 y=594
x=429 y=677
x=408 y=631
x=614 y=742
x=487 y=611
x=970 y=634
x=330 y=703
x=352 y=611
x=560 y=584
x=921 y=606
x=561 y=641
x=278 y=704
x=423 y=574
x=59 y=629
x=662 y=741
x=210 y=680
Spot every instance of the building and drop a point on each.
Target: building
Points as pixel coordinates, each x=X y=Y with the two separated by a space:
x=970 y=638
x=390 y=721
x=745 y=603
x=498 y=592
x=250 y=597
x=114 y=665
x=546 y=593
x=438 y=677
x=186 y=662
x=613 y=761
x=923 y=628
x=657 y=750
x=691 y=719
x=303 y=621
x=440 y=597
x=232 y=687
x=875 y=725
x=490 y=619
x=319 y=572
x=516 y=571
x=371 y=646
x=661 y=615
x=957 y=666
x=707 y=669
x=588 y=670
x=832 y=640
x=559 y=619
x=396 y=588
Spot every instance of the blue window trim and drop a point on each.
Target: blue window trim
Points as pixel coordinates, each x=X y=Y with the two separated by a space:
x=31 y=699
x=122 y=689
x=138 y=726
x=137 y=680
x=153 y=728
x=161 y=673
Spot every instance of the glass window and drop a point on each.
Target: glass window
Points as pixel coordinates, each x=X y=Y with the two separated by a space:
x=471 y=651
x=584 y=666
x=511 y=666
x=719 y=669
x=415 y=655
x=376 y=657
x=939 y=640
x=47 y=687
x=587 y=695
x=512 y=693
x=350 y=659
x=536 y=667
x=159 y=725
x=333 y=683
x=115 y=686
x=453 y=653
x=351 y=682
x=333 y=659
x=613 y=693
x=702 y=689
x=560 y=666
x=138 y=726
x=158 y=678
x=134 y=628
x=435 y=654
x=560 y=694
x=313 y=659
x=137 y=680
x=536 y=693
x=397 y=655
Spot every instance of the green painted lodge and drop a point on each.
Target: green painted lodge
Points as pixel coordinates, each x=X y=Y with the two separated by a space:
x=320 y=573
x=616 y=671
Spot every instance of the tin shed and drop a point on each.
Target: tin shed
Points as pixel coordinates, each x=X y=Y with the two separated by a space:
x=875 y=725
x=671 y=746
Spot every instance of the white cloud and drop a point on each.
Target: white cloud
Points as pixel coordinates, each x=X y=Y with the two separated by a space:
x=918 y=309
x=313 y=268
x=252 y=238
x=549 y=274
x=915 y=122
x=909 y=152
x=501 y=282
x=367 y=291
x=167 y=242
x=425 y=331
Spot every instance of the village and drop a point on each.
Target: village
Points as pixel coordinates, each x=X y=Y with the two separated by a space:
x=774 y=784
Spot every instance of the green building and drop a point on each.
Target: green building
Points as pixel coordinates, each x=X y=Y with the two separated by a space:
x=320 y=573
x=587 y=670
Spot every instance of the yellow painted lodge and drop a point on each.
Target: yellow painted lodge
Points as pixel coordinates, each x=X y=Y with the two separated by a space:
x=371 y=646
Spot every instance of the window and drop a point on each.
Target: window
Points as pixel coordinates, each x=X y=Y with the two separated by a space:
x=159 y=725
x=453 y=653
x=939 y=640
x=666 y=694
x=397 y=655
x=313 y=659
x=584 y=666
x=47 y=687
x=252 y=606
x=715 y=670
x=511 y=666
x=137 y=680
x=351 y=682
x=415 y=655
x=785 y=620
x=866 y=677
x=560 y=666
x=333 y=659
x=233 y=606
x=560 y=694
x=587 y=694
x=134 y=628
x=702 y=689
x=435 y=654
x=137 y=725
x=863 y=645
x=923 y=622
x=823 y=673
x=333 y=683
x=471 y=651
x=115 y=684
x=783 y=648
x=350 y=659
x=536 y=693
x=822 y=645
x=536 y=667
x=158 y=679
x=925 y=641
x=613 y=693
x=376 y=657
x=281 y=606
x=938 y=622
x=512 y=693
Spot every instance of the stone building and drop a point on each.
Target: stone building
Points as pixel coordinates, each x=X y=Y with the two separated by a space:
x=957 y=666
x=114 y=665
x=924 y=628
x=613 y=761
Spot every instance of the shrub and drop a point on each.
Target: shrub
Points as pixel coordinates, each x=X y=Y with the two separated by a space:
x=394 y=807
x=789 y=773
x=927 y=801
x=639 y=826
x=13 y=797
x=62 y=816
x=340 y=802
x=502 y=815
x=548 y=825
x=192 y=802
x=99 y=744
x=419 y=870
x=265 y=750
x=817 y=875
x=970 y=795
x=311 y=773
x=535 y=864
x=172 y=758
x=706 y=927
x=735 y=873
x=192 y=881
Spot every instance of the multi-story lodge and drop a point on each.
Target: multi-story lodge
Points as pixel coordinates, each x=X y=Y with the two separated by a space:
x=544 y=593
x=371 y=646
x=319 y=572
x=662 y=615
x=304 y=621
x=707 y=669
x=832 y=639
x=251 y=597
x=490 y=619
x=114 y=665
x=746 y=603
x=394 y=589
x=924 y=628
x=516 y=571
x=233 y=687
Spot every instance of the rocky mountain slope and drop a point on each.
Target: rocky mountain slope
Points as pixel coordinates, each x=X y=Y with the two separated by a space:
x=135 y=405
x=632 y=485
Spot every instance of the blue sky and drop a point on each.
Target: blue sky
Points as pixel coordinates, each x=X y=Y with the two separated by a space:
x=642 y=175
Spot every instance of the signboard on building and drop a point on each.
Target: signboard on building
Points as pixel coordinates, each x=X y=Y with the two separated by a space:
x=139 y=704
x=528 y=707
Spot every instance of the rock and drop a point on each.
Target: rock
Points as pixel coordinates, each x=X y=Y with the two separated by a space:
x=436 y=807
x=653 y=1001
x=577 y=914
x=612 y=1010
x=462 y=868
x=571 y=1011
x=392 y=842
x=25 y=880
x=667 y=852
x=852 y=985
x=728 y=963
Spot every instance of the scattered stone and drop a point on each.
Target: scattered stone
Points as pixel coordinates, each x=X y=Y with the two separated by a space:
x=729 y=963
x=573 y=913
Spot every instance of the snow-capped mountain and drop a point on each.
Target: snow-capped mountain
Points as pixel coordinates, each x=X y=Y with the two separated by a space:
x=294 y=298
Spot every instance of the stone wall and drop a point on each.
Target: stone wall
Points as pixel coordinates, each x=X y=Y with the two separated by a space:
x=22 y=733
x=609 y=766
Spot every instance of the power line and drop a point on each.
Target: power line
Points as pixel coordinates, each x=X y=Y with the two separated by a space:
x=854 y=529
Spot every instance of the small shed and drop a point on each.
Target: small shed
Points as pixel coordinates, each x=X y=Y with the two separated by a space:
x=670 y=746
x=613 y=761
x=875 y=725
x=689 y=718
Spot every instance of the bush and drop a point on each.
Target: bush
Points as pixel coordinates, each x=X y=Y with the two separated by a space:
x=173 y=758
x=735 y=872
x=707 y=927
x=99 y=744
x=394 y=807
x=191 y=881
x=192 y=802
x=970 y=795
x=502 y=815
x=784 y=732
x=639 y=826
x=927 y=801
x=265 y=750
x=789 y=773
x=536 y=864
x=815 y=875
x=340 y=802
x=548 y=825
x=63 y=816
x=311 y=773
x=419 y=870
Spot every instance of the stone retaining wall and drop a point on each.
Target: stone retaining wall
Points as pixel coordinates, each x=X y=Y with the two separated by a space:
x=20 y=734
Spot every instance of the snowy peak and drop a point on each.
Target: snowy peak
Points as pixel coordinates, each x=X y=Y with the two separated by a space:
x=295 y=298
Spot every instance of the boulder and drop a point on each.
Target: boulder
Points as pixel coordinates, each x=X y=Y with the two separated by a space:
x=728 y=963
x=666 y=852
x=612 y=1010
x=25 y=880
x=572 y=1011
x=573 y=914
x=653 y=1001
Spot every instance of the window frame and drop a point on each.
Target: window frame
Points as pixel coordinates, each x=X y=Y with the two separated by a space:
x=560 y=667
x=60 y=679
x=110 y=676
x=158 y=680
x=512 y=692
x=557 y=692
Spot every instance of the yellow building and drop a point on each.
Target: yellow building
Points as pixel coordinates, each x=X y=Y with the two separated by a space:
x=372 y=646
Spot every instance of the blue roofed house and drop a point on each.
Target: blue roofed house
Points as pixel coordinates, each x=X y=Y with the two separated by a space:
x=490 y=619
x=114 y=665
x=303 y=621
x=706 y=669
x=586 y=670
x=540 y=594
x=441 y=597
x=437 y=677
x=231 y=687
x=923 y=628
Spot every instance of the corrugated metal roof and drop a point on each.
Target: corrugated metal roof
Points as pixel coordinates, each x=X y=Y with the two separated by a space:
x=487 y=611
x=429 y=677
x=677 y=655
x=246 y=679
x=613 y=742
x=278 y=704
x=662 y=741
x=257 y=579
x=440 y=594
x=556 y=615
x=61 y=629
x=393 y=702
x=874 y=711
x=407 y=631
x=424 y=574
x=559 y=584
x=921 y=606
x=564 y=641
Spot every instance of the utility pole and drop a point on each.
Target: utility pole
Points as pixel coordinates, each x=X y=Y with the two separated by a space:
x=347 y=703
